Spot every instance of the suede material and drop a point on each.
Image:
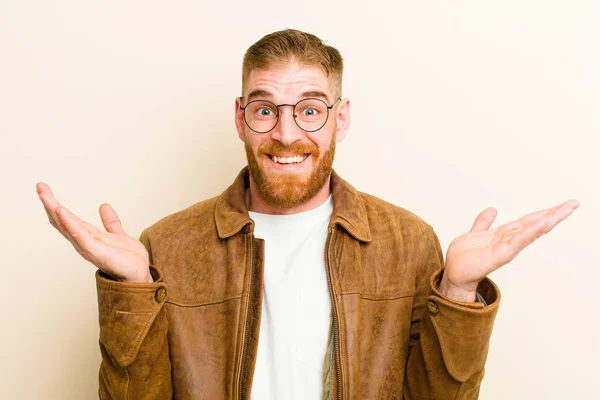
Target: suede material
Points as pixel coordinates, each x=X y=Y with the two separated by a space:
x=398 y=337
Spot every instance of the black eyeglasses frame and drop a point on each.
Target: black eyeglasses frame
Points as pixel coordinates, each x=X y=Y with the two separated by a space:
x=329 y=107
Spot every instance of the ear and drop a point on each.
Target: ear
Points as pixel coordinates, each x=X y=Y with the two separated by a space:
x=239 y=119
x=342 y=119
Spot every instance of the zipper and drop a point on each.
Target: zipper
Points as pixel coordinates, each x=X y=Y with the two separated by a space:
x=336 y=341
x=248 y=318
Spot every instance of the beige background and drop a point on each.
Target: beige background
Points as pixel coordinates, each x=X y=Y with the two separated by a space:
x=456 y=106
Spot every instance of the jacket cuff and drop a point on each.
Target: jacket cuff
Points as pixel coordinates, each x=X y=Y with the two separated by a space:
x=463 y=328
x=126 y=311
x=487 y=291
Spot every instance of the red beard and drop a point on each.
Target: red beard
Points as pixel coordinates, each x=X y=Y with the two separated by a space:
x=287 y=190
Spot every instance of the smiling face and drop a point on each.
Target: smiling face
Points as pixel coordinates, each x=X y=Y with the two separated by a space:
x=290 y=167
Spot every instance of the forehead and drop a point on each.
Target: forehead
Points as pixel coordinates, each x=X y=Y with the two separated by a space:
x=286 y=82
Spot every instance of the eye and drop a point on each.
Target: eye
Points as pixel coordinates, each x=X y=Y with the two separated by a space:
x=310 y=112
x=265 y=112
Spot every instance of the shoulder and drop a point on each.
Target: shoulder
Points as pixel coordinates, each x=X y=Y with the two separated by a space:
x=401 y=233
x=384 y=216
x=196 y=218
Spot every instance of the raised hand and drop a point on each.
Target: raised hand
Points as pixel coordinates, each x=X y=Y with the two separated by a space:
x=113 y=252
x=470 y=257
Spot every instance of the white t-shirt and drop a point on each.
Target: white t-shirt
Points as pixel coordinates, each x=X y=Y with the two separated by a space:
x=296 y=307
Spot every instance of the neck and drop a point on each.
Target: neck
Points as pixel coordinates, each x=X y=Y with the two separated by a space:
x=256 y=203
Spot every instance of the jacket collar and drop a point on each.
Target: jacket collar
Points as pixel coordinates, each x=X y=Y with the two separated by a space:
x=349 y=211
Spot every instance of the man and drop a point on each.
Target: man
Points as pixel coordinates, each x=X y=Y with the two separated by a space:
x=292 y=284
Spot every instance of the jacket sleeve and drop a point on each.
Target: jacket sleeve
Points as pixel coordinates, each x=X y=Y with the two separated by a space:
x=449 y=340
x=133 y=337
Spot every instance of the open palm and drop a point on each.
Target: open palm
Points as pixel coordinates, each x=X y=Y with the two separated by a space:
x=113 y=251
x=470 y=257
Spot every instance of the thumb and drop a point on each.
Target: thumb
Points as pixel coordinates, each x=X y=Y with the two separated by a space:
x=484 y=220
x=110 y=220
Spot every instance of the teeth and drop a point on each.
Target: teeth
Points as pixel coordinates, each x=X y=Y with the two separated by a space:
x=289 y=160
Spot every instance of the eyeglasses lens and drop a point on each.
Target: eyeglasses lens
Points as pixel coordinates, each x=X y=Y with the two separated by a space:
x=262 y=116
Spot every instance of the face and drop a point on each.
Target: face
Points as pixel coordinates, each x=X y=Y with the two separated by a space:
x=287 y=165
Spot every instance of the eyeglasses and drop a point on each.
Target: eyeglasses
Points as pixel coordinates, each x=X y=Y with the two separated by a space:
x=310 y=114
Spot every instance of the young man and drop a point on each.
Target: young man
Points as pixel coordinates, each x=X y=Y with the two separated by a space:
x=292 y=284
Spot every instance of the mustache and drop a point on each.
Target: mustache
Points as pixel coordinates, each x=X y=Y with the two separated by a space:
x=298 y=148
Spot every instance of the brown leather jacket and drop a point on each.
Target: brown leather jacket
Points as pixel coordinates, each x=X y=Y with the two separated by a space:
x=193 y=334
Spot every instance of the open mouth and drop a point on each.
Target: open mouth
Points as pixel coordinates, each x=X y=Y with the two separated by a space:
x=288 y=160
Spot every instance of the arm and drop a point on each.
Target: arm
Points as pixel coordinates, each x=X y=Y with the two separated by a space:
x=133 y=338
x=449 y=339
x=131 y=295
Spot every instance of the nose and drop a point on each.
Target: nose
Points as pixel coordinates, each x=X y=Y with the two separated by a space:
x=286 y=132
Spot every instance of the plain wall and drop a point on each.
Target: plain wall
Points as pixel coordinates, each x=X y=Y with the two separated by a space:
x=456 y=106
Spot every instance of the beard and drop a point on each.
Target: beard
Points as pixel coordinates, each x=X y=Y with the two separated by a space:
x=288 y=189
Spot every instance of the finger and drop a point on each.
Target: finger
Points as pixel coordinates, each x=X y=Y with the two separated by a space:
x=73 y=225
x=110 y=219
x=42 y=187
x=511 y=228
x=507 y=230
x=484 y=220
x=51 y=219
x=47 y=197
x=58 y=215
x=46 y=205
x=65 y=233
x=63 y=228
x=82 y=227
x=50 y=205
x=572 y=203
x=89 y=241
x=542 y=226
x=534 y=216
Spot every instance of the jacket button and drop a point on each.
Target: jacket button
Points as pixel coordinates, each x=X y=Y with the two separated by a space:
x=160 y=294
x=432 y=307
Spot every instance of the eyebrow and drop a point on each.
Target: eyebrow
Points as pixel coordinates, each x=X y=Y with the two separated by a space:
x=259 y=93
x=317 y=94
